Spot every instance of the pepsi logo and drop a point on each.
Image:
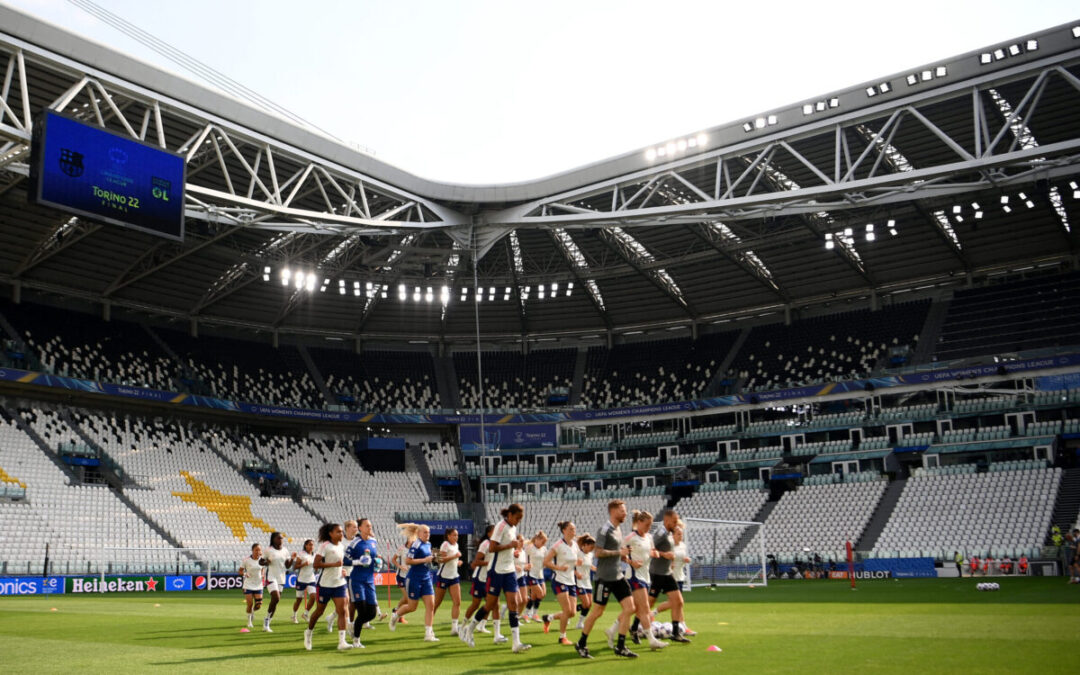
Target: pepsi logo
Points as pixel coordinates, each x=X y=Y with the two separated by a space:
x=200 y=583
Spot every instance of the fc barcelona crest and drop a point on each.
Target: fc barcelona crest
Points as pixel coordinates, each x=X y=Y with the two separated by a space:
x=71 y=162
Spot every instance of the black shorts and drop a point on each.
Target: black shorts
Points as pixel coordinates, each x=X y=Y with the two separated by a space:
x=662 y=583
x=619 y=588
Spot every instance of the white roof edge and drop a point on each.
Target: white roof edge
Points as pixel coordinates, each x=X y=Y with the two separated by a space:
x=82 y=50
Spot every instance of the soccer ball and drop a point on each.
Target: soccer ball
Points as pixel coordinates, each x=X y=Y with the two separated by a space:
x=662 y=630
x=980 y=586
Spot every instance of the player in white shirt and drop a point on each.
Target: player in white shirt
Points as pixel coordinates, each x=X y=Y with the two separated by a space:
x=329 y=558
x=349 y=534
x=251 y=569
x=521 y=562
x=480 y=566
x=305 y=580
x=398 y=560
x=277 y=560
x=448 y=577
x=641 y=552
x=502 y=577
x=562 y=559
x=586 y=567
x=535 y=552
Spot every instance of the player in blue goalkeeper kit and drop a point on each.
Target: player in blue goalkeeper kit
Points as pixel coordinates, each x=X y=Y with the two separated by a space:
x=363 y=557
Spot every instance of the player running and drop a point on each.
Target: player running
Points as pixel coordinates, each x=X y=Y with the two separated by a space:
x=563 y=560
x=448 y=577
x=402 y=569
x=661 y=569
x=586 y=545
x=418 y=583
x=305 y=580
x=536 y=587
x=609 y=551
x=251 y=569
x=678 y=571
x=362 y=554
x=349 y=535
x=642 y=552
x=277 y=560
x=501 y=578
x=329 y=559
x=481 y=565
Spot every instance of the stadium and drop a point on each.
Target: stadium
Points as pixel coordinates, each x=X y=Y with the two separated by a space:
x=831 y=348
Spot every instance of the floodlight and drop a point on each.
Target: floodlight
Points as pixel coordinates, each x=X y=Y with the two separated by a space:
x=985 y=58
x=299 y=279
x=820 y=106
x=355 y=292
x=999 y=54
x=941 y=71
x=1014 y=50
x=661 y=151
x=1032 y=45
x=1076 y=31
x=285 y=274
x=912 y=79
x=266 y=270
x=1004 y=199
x=834 y=102
x=554 y=288
x=847 y=231
x=869 y=227
x=681 y=145
x=759 y=123
x=650 y=154
x=402 y=294
x=569 y=288
x=748 y=127
x=670 y=147
x=429 y=296
x=926 y=76
x=956 y=208
x=771 y=120
x=341 y=290
x=701 y=139
x=871 y=92
x=870 y=236
x=884 y=87
x=444 y=294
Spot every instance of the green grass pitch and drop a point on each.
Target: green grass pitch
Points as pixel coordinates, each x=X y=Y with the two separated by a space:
x=1031 y=625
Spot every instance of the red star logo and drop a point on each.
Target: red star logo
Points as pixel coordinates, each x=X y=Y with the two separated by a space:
x=151 y=584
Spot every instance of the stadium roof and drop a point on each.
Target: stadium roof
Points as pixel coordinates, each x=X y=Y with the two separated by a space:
x=940 y=172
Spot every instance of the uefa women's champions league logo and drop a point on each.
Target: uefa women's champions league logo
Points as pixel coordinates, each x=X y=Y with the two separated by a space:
x=71 y=163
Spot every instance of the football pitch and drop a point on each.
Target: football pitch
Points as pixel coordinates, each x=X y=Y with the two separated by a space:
x=1031 y=625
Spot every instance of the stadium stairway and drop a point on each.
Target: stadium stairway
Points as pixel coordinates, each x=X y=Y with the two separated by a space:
x=578 y=383
x=928 y=338
x=881 y=516
x=446 y=381
x=415 y=456
x=1067 y=507
x=116 y=481
x=50 y=452
x=721 y=373
x=316 y=376
x=744 y=539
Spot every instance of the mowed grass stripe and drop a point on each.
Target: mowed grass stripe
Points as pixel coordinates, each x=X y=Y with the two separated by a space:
x=1031 y=625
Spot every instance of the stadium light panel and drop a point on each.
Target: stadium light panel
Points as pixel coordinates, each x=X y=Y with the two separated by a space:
x=554 y=288
x=341 y=290
x=491 y=294
x=820 y=106
x=808 y=109
x=384 y=292
x=430 y=295
x=912 y=80
x=285 y=275
x=355 y=292
x=416 y=294
x=941 y=71
x=834 y=102
x=444 y=295
x=847 y=231
x=1076 y=31
x=1004 y=199
x=569 y=288
x=771 y=120
x=999 y=54
x=985 y=58
x=266 y=277
x=506 y=294
x=298 y=278
x=871 y=92
x=540 y=291
x=702 y=140
x=884 y=87
x=956 y=208
x=759 y=123
x=680 y=145
x=402 y=294
x=926 y=75
x=670 y=147
x=828 y=241
x=748 y=127
x=1032 y=45
x=650 y=154
x=266 y=270
x=661 y=151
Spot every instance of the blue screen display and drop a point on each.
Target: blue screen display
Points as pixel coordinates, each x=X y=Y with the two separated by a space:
x=95 y=173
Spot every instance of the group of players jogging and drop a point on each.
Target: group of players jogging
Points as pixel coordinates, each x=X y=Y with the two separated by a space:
x=341 y=569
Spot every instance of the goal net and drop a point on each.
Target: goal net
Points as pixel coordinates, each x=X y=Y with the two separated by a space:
x=725 y=552
x=156 y=560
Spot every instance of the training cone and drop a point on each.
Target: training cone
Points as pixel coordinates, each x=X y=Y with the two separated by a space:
x=52 y=609
x=244 y=630
x=157 y=604
x=714 y=648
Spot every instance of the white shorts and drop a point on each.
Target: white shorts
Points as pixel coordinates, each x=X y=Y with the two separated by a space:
x=273 y=587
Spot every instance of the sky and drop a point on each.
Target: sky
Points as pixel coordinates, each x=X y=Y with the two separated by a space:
x=497 y=92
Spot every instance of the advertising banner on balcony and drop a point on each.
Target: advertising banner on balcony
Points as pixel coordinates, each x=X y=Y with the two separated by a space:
x=510 y=436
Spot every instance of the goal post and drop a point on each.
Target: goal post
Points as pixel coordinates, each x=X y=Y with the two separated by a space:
x=726 y=552
x=155 y=560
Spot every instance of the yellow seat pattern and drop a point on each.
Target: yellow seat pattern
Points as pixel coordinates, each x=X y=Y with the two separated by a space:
x=5 y=477
x=233 y=510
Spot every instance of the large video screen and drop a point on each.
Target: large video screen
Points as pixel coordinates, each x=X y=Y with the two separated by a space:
x=92 y=172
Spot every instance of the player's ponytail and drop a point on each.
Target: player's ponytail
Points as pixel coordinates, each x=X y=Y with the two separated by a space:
x=409 y=530
x=511 y=510
x=487 y=532
x=564 y=524
x=641 y=516
x=585 y=540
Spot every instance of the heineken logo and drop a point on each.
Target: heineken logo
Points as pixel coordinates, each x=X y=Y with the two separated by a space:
x=114 y=584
